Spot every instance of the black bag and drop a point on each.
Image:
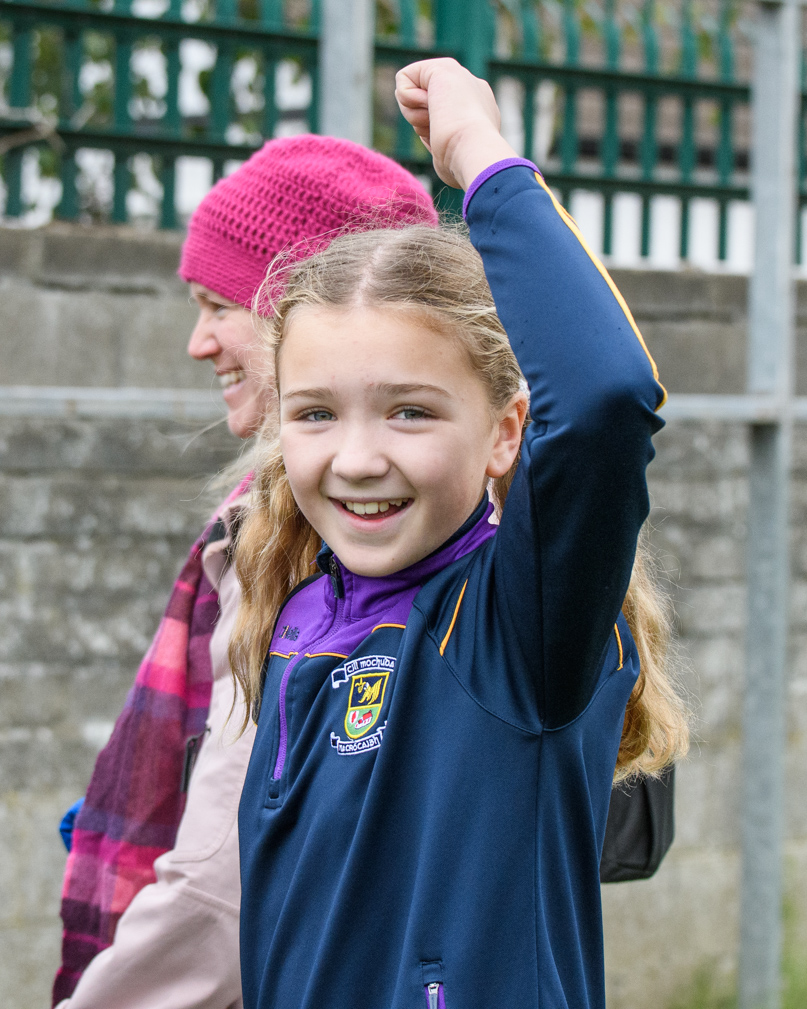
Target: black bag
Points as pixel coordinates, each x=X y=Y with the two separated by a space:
x=640 y=828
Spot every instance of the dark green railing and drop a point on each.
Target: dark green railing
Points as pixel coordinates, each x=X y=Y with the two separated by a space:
x=53 y=43
x=614 y=97
x=682 y=172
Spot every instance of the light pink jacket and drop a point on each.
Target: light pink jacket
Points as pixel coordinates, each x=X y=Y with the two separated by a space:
x=176 y=946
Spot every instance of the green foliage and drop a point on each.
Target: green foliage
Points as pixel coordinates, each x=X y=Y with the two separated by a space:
x=48 y=163
x=47 y=70
x=386 y=19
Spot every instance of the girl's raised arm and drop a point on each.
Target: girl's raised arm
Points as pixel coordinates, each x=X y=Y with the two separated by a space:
x=564 y=552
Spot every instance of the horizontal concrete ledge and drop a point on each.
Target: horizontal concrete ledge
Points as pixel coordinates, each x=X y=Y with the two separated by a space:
x=147 y=404
x=750 y=408
x=193 y=404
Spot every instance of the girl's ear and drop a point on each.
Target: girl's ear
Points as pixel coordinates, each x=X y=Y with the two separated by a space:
x=508 y=436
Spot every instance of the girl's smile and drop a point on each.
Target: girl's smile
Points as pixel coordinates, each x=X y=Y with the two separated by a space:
x=387 y=435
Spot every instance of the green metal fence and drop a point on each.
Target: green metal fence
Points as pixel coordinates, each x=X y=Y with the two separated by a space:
x=610 y=96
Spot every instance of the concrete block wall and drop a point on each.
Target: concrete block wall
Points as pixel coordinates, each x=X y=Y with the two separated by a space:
x=96 y=518
x=98 y=508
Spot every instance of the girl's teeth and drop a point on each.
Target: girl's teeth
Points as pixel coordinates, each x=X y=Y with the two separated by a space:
x=231 y=378
x=372 y=507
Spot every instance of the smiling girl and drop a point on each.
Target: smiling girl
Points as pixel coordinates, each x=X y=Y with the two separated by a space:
x=441 y=705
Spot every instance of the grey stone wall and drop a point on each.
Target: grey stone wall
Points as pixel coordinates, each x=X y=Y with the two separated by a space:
x=97 y=510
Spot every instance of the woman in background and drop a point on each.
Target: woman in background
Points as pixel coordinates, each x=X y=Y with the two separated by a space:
x=151 y=892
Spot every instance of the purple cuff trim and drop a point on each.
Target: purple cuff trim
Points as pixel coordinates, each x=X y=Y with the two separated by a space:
x=499 y=166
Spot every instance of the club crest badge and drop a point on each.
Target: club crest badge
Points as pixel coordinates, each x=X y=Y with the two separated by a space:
x=365 y=701
x=366 y=677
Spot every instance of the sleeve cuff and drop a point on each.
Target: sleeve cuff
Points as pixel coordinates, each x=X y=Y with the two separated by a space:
x=498 y=166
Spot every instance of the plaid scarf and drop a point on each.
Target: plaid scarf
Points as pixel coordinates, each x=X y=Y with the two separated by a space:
x=135 y=800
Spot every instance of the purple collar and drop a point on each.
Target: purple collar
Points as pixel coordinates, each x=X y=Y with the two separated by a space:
x=364 y=595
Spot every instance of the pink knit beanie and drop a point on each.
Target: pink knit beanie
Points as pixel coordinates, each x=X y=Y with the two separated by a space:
x=294 y=194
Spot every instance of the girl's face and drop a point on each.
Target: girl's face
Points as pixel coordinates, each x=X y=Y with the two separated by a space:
x=224 y=335
x=387 y=434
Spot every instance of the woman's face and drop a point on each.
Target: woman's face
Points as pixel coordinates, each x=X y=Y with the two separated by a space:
x=387 y=435
x=224 y=335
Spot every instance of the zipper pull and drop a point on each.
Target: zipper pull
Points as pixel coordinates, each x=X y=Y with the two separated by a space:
x=433 y=990
x=336 y=578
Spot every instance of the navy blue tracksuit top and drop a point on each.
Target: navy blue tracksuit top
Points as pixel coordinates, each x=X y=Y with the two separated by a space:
x=424 y=810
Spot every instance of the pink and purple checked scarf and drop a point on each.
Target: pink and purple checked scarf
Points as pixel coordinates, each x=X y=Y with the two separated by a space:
x=135 y=801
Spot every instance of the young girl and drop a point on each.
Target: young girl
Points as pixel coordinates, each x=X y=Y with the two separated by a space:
x=442 y=703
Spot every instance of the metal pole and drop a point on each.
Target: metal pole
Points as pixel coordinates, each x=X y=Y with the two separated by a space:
x=346 y=69
x=770 y=371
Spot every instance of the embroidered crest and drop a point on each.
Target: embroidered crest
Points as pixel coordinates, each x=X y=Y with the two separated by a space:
x=364 y=702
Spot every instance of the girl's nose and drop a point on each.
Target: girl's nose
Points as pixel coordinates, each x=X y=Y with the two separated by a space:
x=359 y=456
x=203 y=343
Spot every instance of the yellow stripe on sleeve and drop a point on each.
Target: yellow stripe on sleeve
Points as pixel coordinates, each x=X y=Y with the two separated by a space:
x=619 y=646
x=572 y=226
x=453 y=619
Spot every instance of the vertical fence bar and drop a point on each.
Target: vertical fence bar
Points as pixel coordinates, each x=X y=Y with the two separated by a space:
x=649 y=147
x=69 y=104
x=407 y=24
x=467 y=28
x=122 y=120
x=269 y=96
x=272 y=14
x=168 y=213
x=407 y=34
x=71 y=97
x=172 y=123
x=226 y=10
x=686 y=146
x=528 y=118
x=19 y=95
x=312 y=67
x=531 y=42
x=725 y=150
x=609 y=152
x=120 y=188
x=68 y=205
x=220 y=92
x=568 y=138
x=346 y=69
x=770 y=370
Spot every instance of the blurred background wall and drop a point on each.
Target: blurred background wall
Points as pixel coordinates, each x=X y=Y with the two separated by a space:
x=105 y=452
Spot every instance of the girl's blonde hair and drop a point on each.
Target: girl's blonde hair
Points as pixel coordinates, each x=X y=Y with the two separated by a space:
x=437 y=279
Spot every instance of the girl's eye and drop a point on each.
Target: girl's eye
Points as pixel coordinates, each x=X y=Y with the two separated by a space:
x=221 y=310
x=317 y=415
x=411 y=413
